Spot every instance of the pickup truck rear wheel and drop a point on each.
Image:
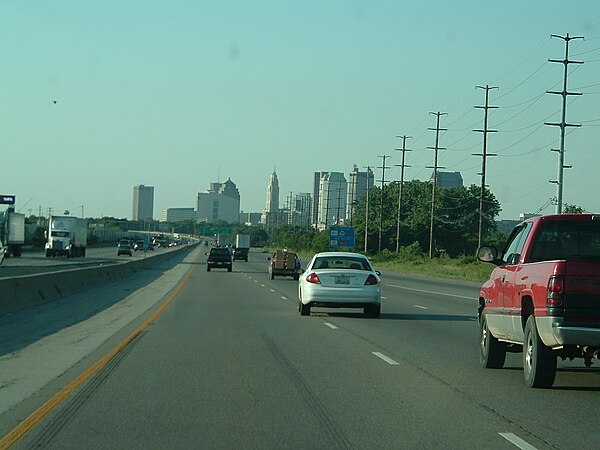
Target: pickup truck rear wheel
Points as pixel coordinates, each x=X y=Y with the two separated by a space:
x=539 y=362
x=492 y=352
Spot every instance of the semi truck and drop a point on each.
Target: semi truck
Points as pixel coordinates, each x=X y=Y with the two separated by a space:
x=242 y=247
x=12 y=232
x=66 y=236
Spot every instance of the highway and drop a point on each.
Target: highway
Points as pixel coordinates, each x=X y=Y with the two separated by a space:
x=230 y=363
x=35 y=261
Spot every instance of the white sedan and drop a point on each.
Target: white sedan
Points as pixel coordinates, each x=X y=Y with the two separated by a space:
x=340 y=280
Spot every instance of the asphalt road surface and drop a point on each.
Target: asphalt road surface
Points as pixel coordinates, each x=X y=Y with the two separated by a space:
x=230 y=363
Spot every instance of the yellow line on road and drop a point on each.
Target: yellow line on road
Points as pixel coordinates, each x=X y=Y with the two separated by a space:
x=36 y=417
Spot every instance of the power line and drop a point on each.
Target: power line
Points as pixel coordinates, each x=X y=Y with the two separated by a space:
x=484 y=155
x=435 y=168
x=402 y=166
x=563 y=124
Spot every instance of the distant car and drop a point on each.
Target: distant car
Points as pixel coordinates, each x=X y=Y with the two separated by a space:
x=124 y=248
x=219 y=257
x=340 y=280
x=139 y=245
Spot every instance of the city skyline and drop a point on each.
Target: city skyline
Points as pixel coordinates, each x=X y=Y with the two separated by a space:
x=94 y=92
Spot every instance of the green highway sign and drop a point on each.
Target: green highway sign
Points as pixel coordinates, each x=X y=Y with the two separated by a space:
x=206 y=230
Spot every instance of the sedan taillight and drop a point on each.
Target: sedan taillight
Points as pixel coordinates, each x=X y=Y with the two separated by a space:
x=313 y=278
x=372 y=279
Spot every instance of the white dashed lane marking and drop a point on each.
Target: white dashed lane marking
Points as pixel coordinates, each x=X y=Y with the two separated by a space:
x=517 y=441
x=330 y=325
x=390 y=361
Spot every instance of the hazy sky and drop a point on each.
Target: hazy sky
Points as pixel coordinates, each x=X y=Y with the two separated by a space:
x=97 y=96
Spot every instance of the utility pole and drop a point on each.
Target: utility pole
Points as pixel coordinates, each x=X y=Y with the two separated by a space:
x=435 y=172
x=383 y=169
x=484 y=155
x=563 y=124
x=402 y=166
x=367 y=211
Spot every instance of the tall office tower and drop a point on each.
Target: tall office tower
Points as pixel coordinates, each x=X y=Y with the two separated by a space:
x=270 y=214
x=358 y=183
x=333 y=192
x=314 y=208
x=300 y=209
x=143 y=202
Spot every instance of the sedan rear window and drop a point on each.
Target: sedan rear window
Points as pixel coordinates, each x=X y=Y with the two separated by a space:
x=341 y=263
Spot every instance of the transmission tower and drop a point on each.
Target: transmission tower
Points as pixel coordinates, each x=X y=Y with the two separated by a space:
x=563 y=123
x=435 y=173
x=367 y=211
x=383 y=169
x=484 y=155
x=402 y=166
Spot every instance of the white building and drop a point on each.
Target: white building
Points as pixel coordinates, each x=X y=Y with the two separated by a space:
x=333 y=192
x=174 y=215
x=270 y=214
x=220 y=202
x=358 y=184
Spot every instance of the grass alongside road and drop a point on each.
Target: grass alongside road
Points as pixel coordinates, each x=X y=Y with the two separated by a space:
x=408 y=261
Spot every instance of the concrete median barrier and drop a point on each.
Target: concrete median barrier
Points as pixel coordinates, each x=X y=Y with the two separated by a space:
x=22 y=291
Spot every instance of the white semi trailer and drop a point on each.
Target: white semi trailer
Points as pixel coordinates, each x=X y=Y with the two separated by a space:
x=12 y=232
x=66 y=236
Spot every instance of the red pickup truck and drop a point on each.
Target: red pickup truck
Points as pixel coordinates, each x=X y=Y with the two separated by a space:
x=543 y=298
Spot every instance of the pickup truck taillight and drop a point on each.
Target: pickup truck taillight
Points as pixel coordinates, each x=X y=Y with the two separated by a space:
x=555 y=291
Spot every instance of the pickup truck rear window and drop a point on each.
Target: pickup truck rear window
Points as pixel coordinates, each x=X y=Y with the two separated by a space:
x=569 y=240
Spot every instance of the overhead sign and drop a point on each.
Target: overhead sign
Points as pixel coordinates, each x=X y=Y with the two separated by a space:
x=341 y=237
x=206 y=230
x=7 y=199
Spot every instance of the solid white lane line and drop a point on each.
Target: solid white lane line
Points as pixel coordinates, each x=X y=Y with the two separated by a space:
x=330 y=325
x=390 y=361
x=419 y=306
x=517 y=441
x=431 y=292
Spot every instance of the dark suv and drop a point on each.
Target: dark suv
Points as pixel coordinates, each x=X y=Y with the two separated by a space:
x=219 y=258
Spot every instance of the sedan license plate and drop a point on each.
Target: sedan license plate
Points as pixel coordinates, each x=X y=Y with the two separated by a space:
x=342 y=279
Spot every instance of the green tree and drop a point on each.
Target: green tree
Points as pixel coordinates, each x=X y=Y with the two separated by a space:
x=573 y=209
x=456 y=219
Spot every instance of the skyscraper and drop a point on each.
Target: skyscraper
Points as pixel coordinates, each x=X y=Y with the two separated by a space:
x=358 y=184
x=143 y=202
x=333 y=192
x=271 y=211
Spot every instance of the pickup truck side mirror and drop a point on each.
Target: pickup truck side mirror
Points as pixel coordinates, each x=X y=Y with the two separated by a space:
x=488 y=254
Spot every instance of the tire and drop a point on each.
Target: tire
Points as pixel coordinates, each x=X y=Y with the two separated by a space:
x=47 y=254
x=296 y=276
x=304 y=309
x=539 y=362
x=372 y=311
x=229 y=269
x=208 y=268
x=271 y=276
x=492 y=352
